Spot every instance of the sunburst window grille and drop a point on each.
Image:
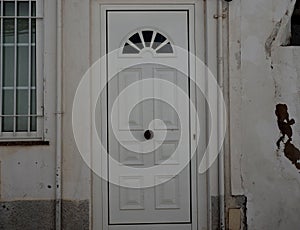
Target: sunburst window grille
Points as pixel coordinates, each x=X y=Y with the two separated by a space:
x=140 y=40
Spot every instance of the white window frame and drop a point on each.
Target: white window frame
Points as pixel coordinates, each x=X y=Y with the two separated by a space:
x=39 y=133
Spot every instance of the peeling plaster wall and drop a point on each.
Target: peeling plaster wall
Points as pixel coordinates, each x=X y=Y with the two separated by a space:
x=267 y=75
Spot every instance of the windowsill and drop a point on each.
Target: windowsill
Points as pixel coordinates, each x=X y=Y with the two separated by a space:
x=24 y=143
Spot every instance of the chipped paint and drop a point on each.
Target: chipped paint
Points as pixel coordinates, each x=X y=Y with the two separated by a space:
x=238 y=202
x=285 y=127
x=284 y=123
x=292 y=153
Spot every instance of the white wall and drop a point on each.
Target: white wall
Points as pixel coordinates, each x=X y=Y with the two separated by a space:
x=76 y=61
x=28 y=172
x=258 y=170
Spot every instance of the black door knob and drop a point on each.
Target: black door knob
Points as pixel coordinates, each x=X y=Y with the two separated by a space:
x=148 y=134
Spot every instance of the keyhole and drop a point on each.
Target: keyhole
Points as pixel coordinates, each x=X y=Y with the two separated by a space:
x=148 y=134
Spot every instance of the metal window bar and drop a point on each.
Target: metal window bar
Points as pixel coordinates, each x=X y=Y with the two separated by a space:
x=39 y=67
x=18 y=87
x=1 y=64
x=29 y=73
x=20 y=115
x=19 y=44
x=21 y=17
x=15 y=69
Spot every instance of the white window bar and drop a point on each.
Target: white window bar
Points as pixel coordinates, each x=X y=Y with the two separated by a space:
x=39 y=64
x=1 y=66
x=19 y=44
x=29 y=119
x=31 y=115
x=18 y=87
x=15 y=68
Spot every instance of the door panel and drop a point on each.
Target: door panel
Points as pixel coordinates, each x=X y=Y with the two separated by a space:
x=132 y=199
x=167 y=193
x=125 y=78
x=166 y=113
x=169 y=202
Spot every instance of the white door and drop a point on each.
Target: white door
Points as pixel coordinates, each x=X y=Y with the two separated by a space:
x=150 y=133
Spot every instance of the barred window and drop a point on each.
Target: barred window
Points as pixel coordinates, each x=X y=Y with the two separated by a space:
x=21 y=63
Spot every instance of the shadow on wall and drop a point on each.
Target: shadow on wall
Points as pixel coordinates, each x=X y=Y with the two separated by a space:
x=285 y=127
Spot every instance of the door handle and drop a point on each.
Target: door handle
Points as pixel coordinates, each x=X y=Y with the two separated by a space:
x=148 y=134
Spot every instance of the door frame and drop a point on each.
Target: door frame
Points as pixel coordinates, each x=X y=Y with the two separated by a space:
x=200 y=209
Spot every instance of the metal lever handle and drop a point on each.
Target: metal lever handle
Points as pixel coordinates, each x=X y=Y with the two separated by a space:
x=148 y=134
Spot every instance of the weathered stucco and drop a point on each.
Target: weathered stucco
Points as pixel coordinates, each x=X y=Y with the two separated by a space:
x=269 y=75
x=40 y=214
x=27 y=215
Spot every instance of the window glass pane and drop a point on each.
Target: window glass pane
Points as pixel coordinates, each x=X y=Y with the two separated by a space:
x=33 y=30
x=135 y=39
x=23 y=30
x=22 y=109
x=7 y=124
x=8 y=30
x=9 y=8
x=23 y=8
x=33 y=121
x=165 y=49
x=128 y=49
x=33 y=102
x=33 y=9
x=7 y=109
x=158 y=40
x=21 y=124
x=22 y=102
x=23 y=62
x=8 y=65
x=8 y=102
x=147 y=34
x=33 y=124
x=33 y=66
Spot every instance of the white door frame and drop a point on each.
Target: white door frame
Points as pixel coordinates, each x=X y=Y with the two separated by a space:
x=200 y=209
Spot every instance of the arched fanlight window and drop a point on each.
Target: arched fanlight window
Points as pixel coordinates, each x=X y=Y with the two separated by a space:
x=147 y=38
